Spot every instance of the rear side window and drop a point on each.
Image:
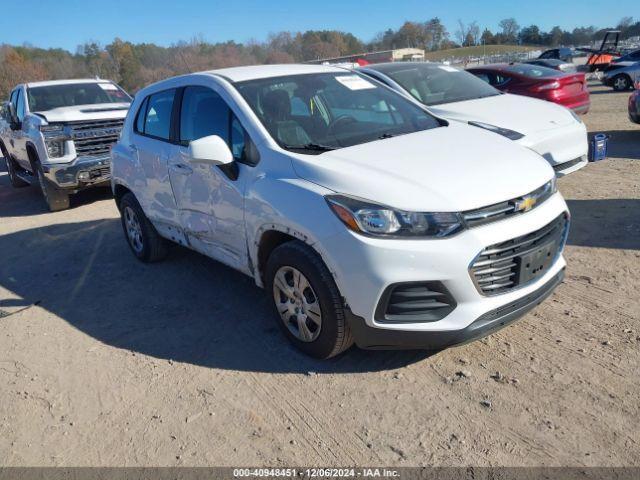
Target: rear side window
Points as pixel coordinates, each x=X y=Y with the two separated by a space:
x=154 y=116
x=203 y=113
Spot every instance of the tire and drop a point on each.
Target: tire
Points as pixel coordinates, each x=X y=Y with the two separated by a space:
x=15 y=181
x=621 y=83
x=55 y=199
x=333 y=335
x=143 y=239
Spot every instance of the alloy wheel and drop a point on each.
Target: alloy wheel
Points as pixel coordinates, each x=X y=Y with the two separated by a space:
x=297 y=304
x=134 y=230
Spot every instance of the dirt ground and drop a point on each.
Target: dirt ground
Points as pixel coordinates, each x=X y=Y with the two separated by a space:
x=105 y=361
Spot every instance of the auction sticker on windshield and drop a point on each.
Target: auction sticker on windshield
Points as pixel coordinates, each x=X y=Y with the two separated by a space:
x=354 y=82
x=108 y=86
x=446 y=68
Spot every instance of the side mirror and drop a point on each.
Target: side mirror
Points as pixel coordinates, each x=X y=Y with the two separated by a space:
x=212 y=149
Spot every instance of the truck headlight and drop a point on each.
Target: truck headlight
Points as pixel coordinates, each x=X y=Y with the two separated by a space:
x=377 y=220
x=55 y=149
x=505 y=132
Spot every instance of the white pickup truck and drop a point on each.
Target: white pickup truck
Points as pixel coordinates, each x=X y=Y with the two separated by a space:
x=58 y=135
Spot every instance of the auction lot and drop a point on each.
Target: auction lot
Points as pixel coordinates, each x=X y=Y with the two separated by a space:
x=106 y=361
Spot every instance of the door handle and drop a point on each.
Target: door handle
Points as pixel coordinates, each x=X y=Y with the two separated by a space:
x=133 y=147
x=181 y=169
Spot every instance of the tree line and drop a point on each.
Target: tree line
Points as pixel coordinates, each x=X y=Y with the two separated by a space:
x=135 y=65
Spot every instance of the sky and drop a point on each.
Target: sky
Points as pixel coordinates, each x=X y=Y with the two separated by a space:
x=68 y=23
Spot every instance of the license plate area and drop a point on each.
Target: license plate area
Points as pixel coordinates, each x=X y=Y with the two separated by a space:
x=535 y=264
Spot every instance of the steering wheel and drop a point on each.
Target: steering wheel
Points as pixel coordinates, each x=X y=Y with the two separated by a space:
x=340 y=120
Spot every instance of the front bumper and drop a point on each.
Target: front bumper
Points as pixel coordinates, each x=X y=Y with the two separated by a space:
x=83 y=172
x=492 y=321
x=365 y=267
x=565 y=148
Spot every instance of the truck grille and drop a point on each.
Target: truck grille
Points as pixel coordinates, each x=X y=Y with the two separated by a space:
x=95 y=137
x=498 y=267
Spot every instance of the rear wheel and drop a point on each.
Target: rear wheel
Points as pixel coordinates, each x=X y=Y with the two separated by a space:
x=307 y=303
x=145 y=242
x=621 y=83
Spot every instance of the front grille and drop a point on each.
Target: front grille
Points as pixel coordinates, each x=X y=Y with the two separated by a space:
x=498 y=267
x=415 y=302
x=502 y=210
x=569 y=164
x=95 y=137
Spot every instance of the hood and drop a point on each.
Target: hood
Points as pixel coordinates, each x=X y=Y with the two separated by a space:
x=78 y=113
x=454 y=168
x=525 y=115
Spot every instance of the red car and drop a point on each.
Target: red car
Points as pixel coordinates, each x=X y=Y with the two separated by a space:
x=569 y=90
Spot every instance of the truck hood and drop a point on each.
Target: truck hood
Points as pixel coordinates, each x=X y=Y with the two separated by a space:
x=78 y=113
x=454 y=168
x=528 y=116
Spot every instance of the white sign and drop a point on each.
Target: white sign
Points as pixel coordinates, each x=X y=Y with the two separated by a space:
x=448 y=69
x=355 y=82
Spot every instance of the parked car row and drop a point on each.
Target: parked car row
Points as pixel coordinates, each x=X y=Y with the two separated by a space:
x=412 y=208
x=621 y=76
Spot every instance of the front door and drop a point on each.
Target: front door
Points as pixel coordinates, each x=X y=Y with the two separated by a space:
x=210 y=199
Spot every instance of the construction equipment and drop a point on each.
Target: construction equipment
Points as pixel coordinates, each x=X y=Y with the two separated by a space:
x=600 y=59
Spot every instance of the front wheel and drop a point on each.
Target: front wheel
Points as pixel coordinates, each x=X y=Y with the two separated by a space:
x=55 y=199
x=307 y=303
x=621 y=83
x=145 y=242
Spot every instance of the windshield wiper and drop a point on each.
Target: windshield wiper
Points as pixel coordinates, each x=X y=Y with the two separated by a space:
x=316 y=147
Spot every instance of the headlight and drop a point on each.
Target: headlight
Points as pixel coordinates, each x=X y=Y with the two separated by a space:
x=55 y=149
x=505 y=132
x=377 y=220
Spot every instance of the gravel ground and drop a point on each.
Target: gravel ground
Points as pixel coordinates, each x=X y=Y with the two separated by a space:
x=104 y=361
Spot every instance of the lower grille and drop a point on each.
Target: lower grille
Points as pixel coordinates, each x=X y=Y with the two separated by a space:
x=569 y=164
x=504 y=266
x=415 y=302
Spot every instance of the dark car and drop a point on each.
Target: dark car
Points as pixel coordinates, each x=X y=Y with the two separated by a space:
x=629 y=57
x=560 y=65
x=564 y=54
x=567 y=89
x=634 y=105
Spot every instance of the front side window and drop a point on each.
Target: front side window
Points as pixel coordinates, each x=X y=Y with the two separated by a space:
x=49 y=97
x=157 y=115
x=203 y=113
x=315 y=112
x=438 y=84
x=20 y=110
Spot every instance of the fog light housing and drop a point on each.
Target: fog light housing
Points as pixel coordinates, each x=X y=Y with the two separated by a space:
x=84 y=176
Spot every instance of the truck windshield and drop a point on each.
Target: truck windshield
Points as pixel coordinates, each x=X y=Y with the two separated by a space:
x=437 y=84
x=49 y=97
x=312 y=113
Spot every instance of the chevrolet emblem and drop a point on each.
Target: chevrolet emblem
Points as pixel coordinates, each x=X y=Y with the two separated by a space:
x=525 y=204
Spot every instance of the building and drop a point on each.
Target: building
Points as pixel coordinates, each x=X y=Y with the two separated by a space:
x=397 y=55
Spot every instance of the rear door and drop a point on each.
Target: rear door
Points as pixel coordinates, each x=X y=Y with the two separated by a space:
x=210 y=198
x=152 y=146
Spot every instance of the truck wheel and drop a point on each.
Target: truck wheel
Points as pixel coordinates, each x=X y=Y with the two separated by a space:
x=16 y=181
x=56 y=199
x=621 y=83
x=307 y=301
x=145 y=242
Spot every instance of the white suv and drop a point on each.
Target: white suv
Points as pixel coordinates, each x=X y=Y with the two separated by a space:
x=365 y=218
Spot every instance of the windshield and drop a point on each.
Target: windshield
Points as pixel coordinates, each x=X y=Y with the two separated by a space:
x=317 y=112
x=533 y=71
x=49 y=97
x=438 y=84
